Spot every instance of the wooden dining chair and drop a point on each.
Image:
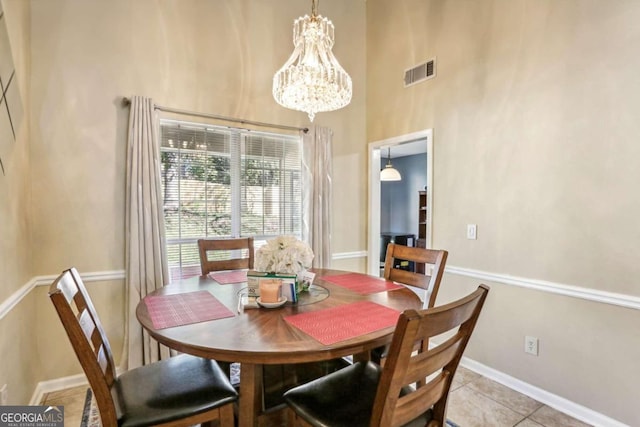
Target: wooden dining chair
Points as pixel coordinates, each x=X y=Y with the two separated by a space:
x=217 y=254
x=430 y=260
x=425 y=260
x=181 y=391
x=367 y=395
x=220 y=254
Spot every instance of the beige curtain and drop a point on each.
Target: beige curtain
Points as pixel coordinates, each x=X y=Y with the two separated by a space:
x=146 y=260
x=316 y=161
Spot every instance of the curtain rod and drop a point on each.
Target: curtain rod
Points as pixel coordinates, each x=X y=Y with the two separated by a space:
x=126 y=102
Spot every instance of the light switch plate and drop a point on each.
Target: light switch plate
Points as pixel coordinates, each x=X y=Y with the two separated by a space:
x=472 y=231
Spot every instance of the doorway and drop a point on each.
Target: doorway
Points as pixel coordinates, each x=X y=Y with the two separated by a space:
x=414 y=143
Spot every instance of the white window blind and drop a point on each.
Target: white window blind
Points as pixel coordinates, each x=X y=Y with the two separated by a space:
x=226 y=182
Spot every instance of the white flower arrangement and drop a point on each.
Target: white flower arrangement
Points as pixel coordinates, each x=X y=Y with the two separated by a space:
x=284 y=254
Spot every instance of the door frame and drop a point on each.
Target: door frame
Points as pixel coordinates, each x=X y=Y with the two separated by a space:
x=373 y=258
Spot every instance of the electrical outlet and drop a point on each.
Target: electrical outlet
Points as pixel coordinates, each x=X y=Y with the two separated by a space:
x=472 y=230
x=4 y=395
x=531 y=345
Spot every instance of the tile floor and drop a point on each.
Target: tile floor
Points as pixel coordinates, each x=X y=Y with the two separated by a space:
x=73 y=401
x=475 y=401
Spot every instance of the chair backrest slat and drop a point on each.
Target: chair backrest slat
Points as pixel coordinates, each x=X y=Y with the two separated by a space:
x=88 y=339
x=88 y=327
x=92 y=334
x=223 y=249
x=426 y=363
x=436 y=259
x=408 y=406
x=103 y=358
x=69 y=289
x=436 y=366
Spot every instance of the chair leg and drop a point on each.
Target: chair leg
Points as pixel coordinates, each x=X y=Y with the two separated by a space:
x=295 y=421
x=292 y=417
x=226 y=416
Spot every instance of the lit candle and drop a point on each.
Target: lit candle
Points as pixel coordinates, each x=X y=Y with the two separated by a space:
x=270 y=290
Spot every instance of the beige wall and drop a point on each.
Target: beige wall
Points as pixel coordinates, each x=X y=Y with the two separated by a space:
x=209 y=56
x=14 y=184
x=216 y=57
x=536 y=140
x=64 y=191
x=19 y=369
x=532 y=111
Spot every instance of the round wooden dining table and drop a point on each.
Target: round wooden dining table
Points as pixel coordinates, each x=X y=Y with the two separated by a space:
x=256 y=337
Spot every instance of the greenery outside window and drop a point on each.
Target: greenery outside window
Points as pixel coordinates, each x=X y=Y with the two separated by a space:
x=221 y=182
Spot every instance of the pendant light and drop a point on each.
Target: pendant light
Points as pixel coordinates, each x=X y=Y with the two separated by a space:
x=389 y=173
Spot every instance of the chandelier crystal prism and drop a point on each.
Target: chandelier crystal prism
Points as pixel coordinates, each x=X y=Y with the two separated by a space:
x=312 y=80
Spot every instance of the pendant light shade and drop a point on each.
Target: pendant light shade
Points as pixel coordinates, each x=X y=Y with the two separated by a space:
x=389 y=173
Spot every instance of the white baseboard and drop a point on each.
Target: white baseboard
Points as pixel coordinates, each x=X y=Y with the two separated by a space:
x=49 y=386
x=58 y=384
x=561 y=404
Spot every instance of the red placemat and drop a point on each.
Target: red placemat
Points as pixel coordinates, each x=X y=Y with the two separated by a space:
x=167 y=311
x=226 y=277
x=361 y=283
x=347 y=321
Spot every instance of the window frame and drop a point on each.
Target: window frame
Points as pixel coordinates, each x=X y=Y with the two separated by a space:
x=238 y=138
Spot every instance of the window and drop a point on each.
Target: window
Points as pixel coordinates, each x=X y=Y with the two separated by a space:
x=225 y=182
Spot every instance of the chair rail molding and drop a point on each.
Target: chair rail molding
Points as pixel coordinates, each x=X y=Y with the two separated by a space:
x=14 y=299
x=612 y=298
x=349 y=255
x=617 y=299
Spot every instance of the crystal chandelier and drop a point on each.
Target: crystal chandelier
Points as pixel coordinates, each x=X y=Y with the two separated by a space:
x=312 y=80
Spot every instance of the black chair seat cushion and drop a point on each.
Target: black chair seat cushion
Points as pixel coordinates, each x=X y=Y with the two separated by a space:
x=342 y=399
x=171 y=389
x=277 y=379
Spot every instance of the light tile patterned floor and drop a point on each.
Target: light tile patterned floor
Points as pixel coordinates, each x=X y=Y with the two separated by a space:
x=475 y=401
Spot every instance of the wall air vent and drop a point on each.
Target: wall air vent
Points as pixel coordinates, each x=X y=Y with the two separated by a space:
x=420 y=73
